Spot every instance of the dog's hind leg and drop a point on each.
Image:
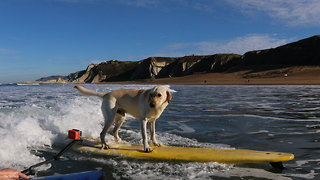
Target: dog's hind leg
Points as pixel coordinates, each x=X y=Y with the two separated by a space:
x=109 y=117
x=119 y=119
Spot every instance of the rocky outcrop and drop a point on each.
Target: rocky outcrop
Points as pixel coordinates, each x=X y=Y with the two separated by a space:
x=56 y=78
x=303 y=52
x=152 y=67
x=106 y=71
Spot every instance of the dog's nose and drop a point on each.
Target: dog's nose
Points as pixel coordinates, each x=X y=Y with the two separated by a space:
x=152 y=105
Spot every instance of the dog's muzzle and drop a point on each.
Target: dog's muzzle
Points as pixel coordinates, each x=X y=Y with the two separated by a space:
x=152 y=105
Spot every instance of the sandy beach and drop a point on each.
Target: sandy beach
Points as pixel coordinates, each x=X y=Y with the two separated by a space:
x=292 y=76
x=297 y=75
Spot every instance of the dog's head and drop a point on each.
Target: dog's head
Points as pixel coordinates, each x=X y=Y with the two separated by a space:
x=158 y=96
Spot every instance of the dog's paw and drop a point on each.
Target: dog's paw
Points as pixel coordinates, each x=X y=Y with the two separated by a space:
x=148 y=150
x=157 y=144
x=119 y=140
x=105 y=147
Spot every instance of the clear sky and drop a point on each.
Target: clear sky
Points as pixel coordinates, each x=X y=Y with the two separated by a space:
x=40 y=38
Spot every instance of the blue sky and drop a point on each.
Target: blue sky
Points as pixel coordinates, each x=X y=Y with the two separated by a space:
x=40 y=38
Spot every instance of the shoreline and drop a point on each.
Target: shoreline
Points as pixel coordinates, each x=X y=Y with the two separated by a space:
x=305 y=76
x=293 y=76
x=252 y=81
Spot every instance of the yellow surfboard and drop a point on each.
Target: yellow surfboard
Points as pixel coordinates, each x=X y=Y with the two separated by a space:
x=189 y=154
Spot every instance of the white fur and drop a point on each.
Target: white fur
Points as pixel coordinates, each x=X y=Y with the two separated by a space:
x=146 y=105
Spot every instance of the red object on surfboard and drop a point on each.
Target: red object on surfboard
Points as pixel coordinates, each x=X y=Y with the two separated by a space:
x=74 y=134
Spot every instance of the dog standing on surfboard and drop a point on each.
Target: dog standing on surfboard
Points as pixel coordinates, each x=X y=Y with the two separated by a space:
x=146 y=105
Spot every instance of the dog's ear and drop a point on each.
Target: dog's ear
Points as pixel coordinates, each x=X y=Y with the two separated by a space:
x=149 y=96
x=169 y=97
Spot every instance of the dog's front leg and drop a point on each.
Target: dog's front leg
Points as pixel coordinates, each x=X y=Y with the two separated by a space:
x=152 y=126
x=143 y=124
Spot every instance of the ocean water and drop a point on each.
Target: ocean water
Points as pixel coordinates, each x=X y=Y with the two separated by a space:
x=34 y=121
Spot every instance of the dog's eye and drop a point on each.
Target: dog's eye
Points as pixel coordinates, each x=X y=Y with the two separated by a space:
x=159 y=95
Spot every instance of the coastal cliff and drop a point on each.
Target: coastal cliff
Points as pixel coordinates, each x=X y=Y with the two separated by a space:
x=301 y=53
x=153 y=67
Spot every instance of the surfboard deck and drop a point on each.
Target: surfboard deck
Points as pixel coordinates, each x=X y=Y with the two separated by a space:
x=188 y=154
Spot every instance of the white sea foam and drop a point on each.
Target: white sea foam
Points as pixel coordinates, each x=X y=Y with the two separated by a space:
x=161 y=170
x=39 y=118
x=20 y=135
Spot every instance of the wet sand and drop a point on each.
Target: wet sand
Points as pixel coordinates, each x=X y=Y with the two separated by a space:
x=297 y=76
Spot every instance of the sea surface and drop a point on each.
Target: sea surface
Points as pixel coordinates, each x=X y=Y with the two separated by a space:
x=35 y=119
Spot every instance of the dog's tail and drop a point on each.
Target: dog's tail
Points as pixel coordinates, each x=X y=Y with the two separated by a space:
x=88 y=92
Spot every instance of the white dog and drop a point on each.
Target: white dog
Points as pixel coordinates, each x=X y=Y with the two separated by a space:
x=146 y=105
